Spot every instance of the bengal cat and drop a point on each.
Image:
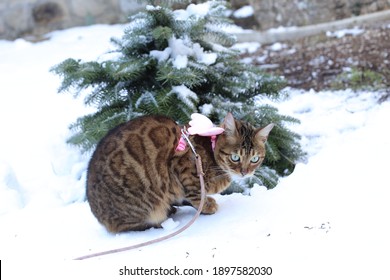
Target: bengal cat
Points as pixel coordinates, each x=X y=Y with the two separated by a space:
x=136 y=176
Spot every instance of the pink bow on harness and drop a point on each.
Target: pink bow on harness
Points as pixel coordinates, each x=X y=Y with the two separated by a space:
x=202 y=126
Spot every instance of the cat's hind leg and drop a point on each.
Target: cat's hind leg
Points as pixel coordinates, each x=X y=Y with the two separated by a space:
x=136 y=222
x=172 y=210
x=157 y=216
x=126 y=225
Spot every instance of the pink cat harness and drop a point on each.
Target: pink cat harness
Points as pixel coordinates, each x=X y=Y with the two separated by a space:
x=203 y=126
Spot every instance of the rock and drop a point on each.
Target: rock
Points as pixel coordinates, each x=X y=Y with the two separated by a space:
x=272 y=14
x=47 y=12
x=19 y=18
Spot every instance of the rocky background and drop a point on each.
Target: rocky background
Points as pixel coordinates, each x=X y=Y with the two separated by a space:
x=270 y=13
x=33 y=18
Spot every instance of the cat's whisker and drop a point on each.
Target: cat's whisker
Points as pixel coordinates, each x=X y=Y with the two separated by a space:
x=221 y=176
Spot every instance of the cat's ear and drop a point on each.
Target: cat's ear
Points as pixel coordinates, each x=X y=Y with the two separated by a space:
x=229 y=124
x=263 y=133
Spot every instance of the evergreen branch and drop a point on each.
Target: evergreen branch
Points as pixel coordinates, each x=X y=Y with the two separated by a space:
x=169 y=76
x=267 y=176
x=88 y=130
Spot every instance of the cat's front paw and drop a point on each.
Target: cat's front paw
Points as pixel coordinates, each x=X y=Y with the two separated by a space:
x=210 y=206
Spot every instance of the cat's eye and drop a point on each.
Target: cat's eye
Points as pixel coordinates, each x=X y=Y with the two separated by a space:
x=235 y=158
x=255 y=159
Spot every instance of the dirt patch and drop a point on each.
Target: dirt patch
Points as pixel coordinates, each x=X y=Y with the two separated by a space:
x=360 y=58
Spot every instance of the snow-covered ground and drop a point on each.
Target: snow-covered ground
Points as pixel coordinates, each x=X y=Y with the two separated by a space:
x=328 y=220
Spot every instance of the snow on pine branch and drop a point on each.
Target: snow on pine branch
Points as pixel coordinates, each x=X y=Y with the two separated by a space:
x=193 y=10
x=185 y=95
x=179 y=51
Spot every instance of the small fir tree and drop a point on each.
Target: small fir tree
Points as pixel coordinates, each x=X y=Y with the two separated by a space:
x=176 y=63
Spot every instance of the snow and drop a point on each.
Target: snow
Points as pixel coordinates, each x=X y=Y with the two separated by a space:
x=186 y=95
x=161 y=56
x=206 y=109
x=152 y=8
x=330 y=218
x=282 y=29
x=244 y=12
x=343 y=32
x=247 y=47
x=277 y=47
x=193 y=10
x=179 y=51
x=203 y=57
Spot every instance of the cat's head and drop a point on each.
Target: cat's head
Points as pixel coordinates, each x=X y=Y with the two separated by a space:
x=241 y=148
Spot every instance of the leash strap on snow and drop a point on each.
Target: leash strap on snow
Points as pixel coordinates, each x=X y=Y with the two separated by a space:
x=199 y=169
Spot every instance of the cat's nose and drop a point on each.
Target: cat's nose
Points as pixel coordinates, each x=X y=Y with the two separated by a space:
x=244 y=171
